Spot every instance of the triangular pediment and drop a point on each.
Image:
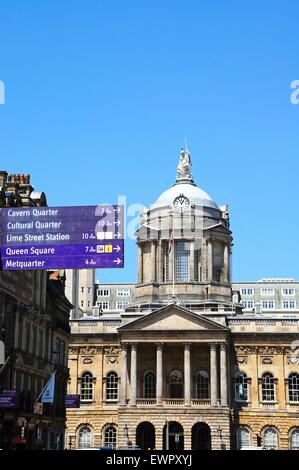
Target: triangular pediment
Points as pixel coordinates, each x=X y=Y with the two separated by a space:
x=220 y=228
x=172 y=318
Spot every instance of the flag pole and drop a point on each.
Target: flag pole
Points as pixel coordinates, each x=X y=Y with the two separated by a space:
x=46 y=385
x=173 y=261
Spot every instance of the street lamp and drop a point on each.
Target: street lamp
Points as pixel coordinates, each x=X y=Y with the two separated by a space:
x=219 y=433
x=71 y=442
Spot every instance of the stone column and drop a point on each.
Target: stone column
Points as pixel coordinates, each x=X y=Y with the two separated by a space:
x=159 y=374
x=170 y=264
x=140 y=264
x=192 y=261
x=133 y=374
x=223 y=374
x=203 y=261
x=159 y=273
x=153 y=261
x=226 y=264
x=187 y=374
x=214 y=374
x=124 y=372
x=210 y=261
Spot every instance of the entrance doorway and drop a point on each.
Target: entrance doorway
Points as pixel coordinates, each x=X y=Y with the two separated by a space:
x=174 y=435
x=145 y=436
x=201 y=437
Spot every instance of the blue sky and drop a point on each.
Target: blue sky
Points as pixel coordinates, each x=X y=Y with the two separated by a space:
x=101 y=94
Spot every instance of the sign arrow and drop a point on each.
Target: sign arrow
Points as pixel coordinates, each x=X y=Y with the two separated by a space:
x=117 y=235
x=117 y=222
x=117 y=210
x=117 y=248
x=117 y=261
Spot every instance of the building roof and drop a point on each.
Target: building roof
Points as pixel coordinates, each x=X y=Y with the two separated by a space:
x=196 y=196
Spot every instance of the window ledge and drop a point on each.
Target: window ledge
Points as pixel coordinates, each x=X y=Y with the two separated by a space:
x=269 y=402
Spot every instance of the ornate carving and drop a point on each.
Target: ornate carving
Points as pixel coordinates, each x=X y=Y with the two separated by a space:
x=112 y=359
x=267 y=360
x=87 y=360
x=293 y=360
x=242 y=359
x=112 y=350
x=261 y=350
x=85 y=350
x=184 y=167
x=112 y=353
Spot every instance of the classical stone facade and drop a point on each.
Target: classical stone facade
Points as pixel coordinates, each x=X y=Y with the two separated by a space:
x=183 y=367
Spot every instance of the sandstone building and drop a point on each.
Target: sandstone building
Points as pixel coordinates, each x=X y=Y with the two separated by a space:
x=184 y=366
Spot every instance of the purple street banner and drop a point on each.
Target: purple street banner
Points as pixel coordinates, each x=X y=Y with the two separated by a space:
x=43 y=238
x=60 y=224
x=9 y=399
x=72 y=401
x=57 y=237
x=106 y=254
x=69 y=212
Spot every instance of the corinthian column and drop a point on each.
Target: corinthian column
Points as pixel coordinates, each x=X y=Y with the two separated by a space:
x=140 y=264
x=226 y=264
x=124 y=370
x=159 y=374
x=223 y=374
x=210 y=261
x=213 y=373
x=187 y=374
x=153 y=261
x=133 y=374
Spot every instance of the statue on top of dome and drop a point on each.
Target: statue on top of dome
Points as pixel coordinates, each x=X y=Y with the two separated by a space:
x=184 y=166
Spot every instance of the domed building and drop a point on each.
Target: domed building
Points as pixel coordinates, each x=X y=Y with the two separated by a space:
x=184 y=246
x=183 y=367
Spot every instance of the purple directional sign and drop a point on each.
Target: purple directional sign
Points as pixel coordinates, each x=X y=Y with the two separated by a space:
x=62 y=237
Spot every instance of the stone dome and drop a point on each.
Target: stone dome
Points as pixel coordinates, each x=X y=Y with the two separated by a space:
x=195 y=195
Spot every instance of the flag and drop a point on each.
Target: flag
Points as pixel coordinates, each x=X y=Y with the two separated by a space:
x=49 y=390
x=170 y=243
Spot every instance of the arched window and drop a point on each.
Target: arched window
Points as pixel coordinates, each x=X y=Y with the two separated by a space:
x=202 y=385
x=149 y=385
x=176 y=384
x=270 y=439
x=87 y=386
x=110 y=437
x=243 y=437
x=112 y=386
x=241 y=386
x=295 y=439
x=84 y=437
x=268 y=387
x=293 y=381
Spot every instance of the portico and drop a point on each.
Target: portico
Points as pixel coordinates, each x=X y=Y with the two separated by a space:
x=166 y=367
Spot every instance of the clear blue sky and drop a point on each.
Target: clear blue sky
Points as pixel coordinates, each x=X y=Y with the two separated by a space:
x=100 y=95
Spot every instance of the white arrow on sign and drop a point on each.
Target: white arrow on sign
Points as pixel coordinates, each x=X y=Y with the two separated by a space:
x=117 y=210
x=117 y=222
x=117 y=261
x=117 y=235
x=117 y=248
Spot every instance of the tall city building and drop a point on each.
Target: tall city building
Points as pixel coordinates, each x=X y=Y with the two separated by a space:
x=184 y=365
